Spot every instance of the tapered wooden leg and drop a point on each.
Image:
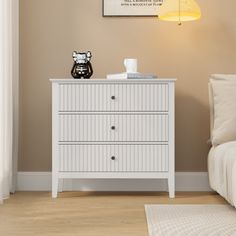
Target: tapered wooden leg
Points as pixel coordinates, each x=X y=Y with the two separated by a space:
x=54 y=186
x=171 y=186
x=60 y=187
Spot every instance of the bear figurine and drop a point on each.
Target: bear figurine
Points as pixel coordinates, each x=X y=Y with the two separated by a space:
x=82 y=67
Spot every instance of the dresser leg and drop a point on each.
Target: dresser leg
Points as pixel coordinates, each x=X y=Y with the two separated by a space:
x=60 y=185
x=171 y=186
x=54 y=186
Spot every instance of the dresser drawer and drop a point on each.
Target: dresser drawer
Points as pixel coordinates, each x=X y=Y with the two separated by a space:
x=113 y=128
x=113 y=158
x=113 y=97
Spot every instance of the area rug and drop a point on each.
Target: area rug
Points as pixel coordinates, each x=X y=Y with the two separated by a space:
x=191 y=220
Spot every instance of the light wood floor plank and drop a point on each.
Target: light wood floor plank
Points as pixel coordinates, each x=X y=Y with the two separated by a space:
x=86 y=213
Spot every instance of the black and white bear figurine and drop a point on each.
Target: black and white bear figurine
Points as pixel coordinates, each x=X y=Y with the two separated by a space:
x=82 y=67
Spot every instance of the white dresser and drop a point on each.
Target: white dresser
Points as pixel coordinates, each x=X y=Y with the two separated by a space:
x=117 y=129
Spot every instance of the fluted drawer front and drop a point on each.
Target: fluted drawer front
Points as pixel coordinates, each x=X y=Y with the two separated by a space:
x=117 y=128
x=113 y=97
x=113 y=158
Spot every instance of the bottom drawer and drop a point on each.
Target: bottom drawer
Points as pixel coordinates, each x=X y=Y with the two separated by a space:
x=113 y=158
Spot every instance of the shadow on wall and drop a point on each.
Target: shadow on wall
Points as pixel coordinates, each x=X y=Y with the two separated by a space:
x=192 y=133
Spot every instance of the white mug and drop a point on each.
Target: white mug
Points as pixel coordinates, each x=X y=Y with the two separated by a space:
x=131 y=65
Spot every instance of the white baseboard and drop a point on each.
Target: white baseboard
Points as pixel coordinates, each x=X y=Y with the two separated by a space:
x=185 y=181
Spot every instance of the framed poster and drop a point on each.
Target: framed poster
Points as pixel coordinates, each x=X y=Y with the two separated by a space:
x=131 y=7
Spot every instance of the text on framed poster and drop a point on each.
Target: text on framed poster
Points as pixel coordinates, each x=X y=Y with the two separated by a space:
x=131 y=7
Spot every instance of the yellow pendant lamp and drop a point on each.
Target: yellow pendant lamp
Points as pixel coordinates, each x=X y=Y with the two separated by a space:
x=179 y=10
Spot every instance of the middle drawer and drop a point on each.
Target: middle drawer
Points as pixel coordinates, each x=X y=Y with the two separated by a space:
x=113 y=128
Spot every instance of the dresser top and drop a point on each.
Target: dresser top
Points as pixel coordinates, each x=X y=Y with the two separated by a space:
x=86 y=81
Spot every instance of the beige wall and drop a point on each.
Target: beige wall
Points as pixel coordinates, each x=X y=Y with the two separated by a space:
x=51 y=29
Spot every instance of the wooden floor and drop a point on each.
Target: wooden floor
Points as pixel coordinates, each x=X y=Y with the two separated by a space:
x=86 y=214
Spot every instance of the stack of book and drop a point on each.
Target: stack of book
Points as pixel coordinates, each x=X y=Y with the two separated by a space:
x=126 y=75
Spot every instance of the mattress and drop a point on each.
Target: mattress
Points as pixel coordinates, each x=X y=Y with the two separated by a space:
x=222 y=170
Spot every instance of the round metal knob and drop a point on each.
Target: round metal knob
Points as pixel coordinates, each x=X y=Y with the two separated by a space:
x=113 y=127
x=113 y=158
x=113 y=97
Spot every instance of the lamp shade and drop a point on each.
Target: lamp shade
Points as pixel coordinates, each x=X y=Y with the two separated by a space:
x=179 y=10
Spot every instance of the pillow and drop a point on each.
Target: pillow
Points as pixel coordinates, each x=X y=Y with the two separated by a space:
x=213 y=78
x=223 y=112
x=226 y=77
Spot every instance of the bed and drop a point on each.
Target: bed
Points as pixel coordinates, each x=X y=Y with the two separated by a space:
x=222 y=156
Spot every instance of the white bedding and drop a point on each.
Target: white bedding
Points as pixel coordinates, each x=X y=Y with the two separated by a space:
x=222 y=170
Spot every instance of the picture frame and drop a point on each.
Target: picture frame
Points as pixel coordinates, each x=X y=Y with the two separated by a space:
x=131 y=7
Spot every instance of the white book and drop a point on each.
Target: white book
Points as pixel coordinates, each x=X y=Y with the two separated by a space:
x=126 y=75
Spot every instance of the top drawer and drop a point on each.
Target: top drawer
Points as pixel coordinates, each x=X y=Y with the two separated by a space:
x=113 y=97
